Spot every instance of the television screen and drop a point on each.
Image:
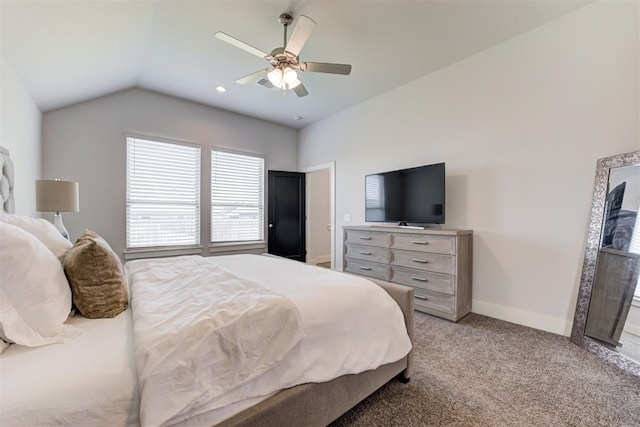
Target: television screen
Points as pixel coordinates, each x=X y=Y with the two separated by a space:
x=414 y=195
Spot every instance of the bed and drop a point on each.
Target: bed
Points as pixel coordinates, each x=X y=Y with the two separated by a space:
x=96 y=378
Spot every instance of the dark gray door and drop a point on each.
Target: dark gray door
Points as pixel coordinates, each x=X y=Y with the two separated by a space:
x=286 y=216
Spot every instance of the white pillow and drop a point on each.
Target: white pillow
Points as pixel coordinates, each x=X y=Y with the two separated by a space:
x=46 y=232
x=35 y=298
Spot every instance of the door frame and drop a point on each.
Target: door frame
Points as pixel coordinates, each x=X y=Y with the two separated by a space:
x=332 y=202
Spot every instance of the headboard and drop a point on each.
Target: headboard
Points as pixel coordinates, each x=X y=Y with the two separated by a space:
x=7 y=203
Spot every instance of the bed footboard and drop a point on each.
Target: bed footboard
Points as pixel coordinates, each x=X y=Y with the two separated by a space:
x=403 y=295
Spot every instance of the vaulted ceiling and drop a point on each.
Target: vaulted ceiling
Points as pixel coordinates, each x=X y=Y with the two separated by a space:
x=67 y=52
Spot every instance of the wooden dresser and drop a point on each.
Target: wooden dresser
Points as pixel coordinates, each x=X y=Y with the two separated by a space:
x=436 y=262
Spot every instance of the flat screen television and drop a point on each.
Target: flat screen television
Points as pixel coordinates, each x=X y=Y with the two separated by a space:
x=406 y=196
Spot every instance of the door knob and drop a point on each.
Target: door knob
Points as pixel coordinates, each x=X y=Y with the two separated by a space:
x=270 y=225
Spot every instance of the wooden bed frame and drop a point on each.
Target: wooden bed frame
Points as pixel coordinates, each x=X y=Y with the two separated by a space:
x=316 y=404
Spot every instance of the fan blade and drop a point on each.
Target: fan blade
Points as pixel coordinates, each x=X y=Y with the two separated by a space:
x=300 y=35
x=323 y=67
x=300 y=90
x=240 y=44
x=253 y=76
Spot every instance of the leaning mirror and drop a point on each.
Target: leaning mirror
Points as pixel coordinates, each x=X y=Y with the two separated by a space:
x=607 y=318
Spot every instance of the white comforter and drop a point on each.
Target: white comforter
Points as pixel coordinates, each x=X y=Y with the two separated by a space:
x=199 y=332
x=350 y=325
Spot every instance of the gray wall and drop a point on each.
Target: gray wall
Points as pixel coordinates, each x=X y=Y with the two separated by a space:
x=520 y=127
x=86 y=143
x=20 y=122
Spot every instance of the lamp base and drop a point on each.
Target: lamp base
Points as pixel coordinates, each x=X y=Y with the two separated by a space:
x=57 y=222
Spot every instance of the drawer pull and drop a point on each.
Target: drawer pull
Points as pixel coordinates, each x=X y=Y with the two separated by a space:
x=419 y=279
x=420 y=242
x=365 y=268
x=420 y=297
x=365 y=253
x=422 y=261
x=365 y=238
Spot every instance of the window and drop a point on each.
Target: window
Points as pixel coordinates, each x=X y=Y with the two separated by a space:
x=237 y=194
x=374 y=198
x=163 y=194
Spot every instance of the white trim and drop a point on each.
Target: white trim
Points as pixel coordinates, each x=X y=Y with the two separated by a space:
x=632 y=329
x=319 y=259
x=323 y=258
x=332 y=209
x=236 y=246
x=149 y=137
x=157 y=252
x=521 y=317
x=236 y=151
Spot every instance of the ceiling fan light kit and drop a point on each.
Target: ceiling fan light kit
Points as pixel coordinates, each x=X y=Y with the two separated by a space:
x=284 y=78
x=285 y=60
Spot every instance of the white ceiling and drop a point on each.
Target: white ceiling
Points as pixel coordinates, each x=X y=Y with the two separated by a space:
x=66 y=52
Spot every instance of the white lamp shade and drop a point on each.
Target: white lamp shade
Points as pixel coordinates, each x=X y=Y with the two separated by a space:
x=275 y=77
x=57 y=196
x=289 y=75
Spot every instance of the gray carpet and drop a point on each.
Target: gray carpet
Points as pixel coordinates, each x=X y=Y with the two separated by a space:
x=486 y=372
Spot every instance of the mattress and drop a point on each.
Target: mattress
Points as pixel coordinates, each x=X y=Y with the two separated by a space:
x=90 y=381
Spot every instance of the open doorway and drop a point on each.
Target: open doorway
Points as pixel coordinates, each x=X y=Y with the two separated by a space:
x=320 y=215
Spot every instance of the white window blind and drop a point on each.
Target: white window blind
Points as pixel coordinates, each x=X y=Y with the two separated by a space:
x=374 y=198
x=237 y=194
x=163 y=194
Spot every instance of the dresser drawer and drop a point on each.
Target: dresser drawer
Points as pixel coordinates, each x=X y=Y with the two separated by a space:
x=368 y=238
x=424 y=243
x=422 y=279
x=424 y=300
x=424 y=261
x=368 y=253
x=366 y=268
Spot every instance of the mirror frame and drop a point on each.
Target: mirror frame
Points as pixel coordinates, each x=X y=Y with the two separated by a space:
x=590 y=261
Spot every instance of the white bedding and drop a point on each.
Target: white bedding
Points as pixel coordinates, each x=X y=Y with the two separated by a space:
x=90 y=381
x=350 y=326
x=199 y=332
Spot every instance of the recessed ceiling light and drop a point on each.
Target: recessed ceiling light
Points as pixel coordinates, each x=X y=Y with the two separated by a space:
x=298 y=118
x=221 y=88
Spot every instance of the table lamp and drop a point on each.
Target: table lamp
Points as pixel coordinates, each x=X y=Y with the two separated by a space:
x=57 y=196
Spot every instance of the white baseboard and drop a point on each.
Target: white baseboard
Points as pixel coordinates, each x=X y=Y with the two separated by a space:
x=323 y=258
x=521 y=317
x=319 y=259
x=632 y=329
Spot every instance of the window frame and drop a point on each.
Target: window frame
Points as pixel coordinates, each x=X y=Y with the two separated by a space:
x=136 y=252
x=228 y=246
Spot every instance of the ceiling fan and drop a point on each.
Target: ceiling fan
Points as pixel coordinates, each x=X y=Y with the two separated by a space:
x=285 y=60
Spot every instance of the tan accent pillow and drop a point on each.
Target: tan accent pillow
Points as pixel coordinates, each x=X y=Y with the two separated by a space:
x=97 y=280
